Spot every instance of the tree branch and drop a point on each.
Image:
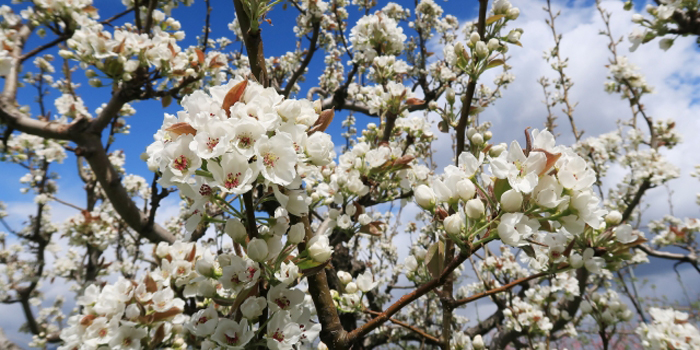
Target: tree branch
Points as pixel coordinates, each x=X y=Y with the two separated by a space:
x=500 y=289
x=471 y=87
x=253 y=44
x=307 y=60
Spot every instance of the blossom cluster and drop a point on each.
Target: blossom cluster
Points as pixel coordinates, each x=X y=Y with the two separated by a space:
x=661 y=22
x=544 y=195
x=669 y=329
x=222 y=143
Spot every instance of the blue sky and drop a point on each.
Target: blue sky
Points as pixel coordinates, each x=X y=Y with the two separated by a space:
x=675 y=73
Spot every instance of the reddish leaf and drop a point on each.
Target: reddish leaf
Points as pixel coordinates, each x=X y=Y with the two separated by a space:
x=151 y=285
x=200 y=55
x=191 y=255
x=234 y=95
x=414 y=101
x=323 y=121
x=182 y=128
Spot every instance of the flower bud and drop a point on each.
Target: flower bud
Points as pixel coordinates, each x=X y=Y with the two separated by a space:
x=493 y=44
x=477 y=139
x=576 y=261
x=613 y=218
x=665 y=44
x=364 y=219
x=344 y=277
x=350 y=209
x=511 y=201
x=513 y=13
x=253 y=307
x=474 y=37
x=481 y=49
x=319 y=248
x=488 y=135
x=95 y=82
x=425 y=197
x=450 y=95
x=637 y=18
x=478 y=342
x=608 y=317
x=459 y=50
x=236 y=230
x=453 y=224
x=132 y=311
x=513 y=36
x=496 y=150
x=204 y=267
x=351 y=288
x=470 y=132
x=67 y=54
x=257 y=249
x=586 y=307
x=474 y=208
x=296 y=233
x=465 y=189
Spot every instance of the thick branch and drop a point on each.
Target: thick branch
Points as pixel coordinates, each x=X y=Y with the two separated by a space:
x=332 y=332
x=253 y=44
x=91 y=148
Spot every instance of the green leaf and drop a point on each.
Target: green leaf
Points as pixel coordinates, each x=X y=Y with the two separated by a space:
x=435 y=259
x=493 y=19
x=166 y=100
x=500 y=186
x=529 y=251
x=495 y=63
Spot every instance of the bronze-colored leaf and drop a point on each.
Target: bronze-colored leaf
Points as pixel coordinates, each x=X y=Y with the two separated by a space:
x=323 y=121
x=182 y=128
x=403 y=160
x=172 y=49
x=166 y=100
x=414 y=101
x=192 y=254
x=151 y=285
x=568 y=249
x=215 y=63
x=372 y=228
x=551 y=160
x=87 y=320
x=440 y=214
x=234 y=95
x=158 y=337
x=200 y=55
x=158 y=316
x=120 y=47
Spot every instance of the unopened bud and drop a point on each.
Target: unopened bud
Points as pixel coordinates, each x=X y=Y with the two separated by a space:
x=481 y=49
x=474 y=37
x=613 y=218
x=453 y=224
x=425 y=197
